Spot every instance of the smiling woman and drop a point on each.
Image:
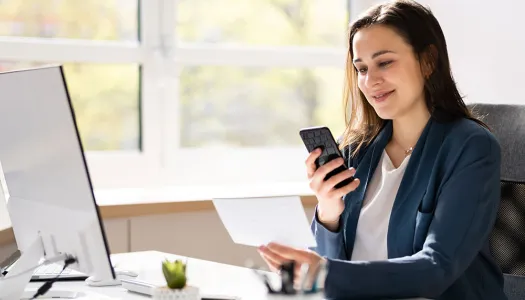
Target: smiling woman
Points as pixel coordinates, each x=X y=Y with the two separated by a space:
x=387 y=62
x=416 y=221
x=393 y=74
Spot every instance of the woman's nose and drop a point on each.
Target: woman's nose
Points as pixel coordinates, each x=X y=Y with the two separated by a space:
x=373 y=78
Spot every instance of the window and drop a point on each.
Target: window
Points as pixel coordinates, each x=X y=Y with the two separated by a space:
x=250 y=75
x=107 y=59
x=256 y=107
x=105 y=99
x=188 y=91
x=72 y=19
x=262 y=22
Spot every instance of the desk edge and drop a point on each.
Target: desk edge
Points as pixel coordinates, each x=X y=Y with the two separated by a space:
x=148 y=209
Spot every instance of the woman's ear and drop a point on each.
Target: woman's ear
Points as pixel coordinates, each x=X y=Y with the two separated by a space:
x=429 y=61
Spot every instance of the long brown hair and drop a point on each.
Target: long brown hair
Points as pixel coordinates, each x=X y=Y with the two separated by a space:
x=420 y=29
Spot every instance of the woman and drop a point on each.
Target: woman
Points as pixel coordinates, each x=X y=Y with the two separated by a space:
x=415 y=222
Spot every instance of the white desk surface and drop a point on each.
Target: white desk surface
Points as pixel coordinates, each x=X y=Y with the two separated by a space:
x=210 y=277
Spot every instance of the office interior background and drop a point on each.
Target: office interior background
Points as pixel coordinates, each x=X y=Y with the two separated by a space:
x=180 y=100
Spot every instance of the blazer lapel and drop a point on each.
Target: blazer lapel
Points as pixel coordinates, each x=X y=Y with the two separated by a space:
x=412 y=189
x=365 y=171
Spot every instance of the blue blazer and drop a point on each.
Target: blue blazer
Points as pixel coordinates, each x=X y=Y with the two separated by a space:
x=439 y=226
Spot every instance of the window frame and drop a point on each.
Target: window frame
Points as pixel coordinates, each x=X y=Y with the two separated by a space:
x=161 y=160
x=110 y=168
x=246 y=165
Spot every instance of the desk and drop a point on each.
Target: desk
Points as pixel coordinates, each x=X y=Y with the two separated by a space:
x=141 y=202
x=210 y=277
x=130 y=215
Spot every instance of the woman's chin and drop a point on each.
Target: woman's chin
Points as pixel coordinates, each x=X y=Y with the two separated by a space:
x=385 y=114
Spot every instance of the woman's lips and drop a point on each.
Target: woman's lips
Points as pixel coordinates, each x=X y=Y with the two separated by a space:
x=381 y=97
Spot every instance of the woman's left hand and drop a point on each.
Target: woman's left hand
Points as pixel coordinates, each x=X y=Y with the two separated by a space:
x=276 y=255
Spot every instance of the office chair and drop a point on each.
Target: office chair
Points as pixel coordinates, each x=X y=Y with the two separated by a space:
x=507 y=241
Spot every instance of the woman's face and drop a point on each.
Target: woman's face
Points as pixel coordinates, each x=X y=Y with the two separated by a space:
x=389 y=74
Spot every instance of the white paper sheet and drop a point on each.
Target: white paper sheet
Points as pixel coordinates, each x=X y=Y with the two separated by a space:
x=258 y=221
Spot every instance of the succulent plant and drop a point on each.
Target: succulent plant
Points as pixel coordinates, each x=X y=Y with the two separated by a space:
x=174 y=273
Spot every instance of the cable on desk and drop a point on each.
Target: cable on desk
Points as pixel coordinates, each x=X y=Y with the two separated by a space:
x=46 y=286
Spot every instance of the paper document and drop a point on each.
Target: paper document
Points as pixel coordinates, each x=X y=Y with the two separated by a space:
x=258 y=221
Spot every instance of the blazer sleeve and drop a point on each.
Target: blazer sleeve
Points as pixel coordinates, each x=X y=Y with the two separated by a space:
x=464 y=216
x=330 y=244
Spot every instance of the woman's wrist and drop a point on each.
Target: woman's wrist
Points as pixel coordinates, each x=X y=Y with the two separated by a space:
x=332 y=225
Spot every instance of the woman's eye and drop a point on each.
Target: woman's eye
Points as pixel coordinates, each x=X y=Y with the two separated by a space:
x=384 y=64
x=361 y=70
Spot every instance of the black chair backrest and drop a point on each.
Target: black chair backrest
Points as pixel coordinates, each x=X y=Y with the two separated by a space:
x=507 y=123
x=507 y=241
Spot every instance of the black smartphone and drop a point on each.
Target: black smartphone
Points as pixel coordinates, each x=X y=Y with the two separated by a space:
x=321 y=137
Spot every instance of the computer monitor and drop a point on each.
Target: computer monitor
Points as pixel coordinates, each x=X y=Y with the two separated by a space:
x=45 y=180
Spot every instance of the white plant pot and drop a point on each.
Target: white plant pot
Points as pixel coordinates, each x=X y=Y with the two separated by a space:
x=187 y=293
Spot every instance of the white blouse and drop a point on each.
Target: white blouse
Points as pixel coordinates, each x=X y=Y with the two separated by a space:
x=372 y=228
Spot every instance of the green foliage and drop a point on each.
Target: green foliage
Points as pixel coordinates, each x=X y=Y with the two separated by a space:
x=174 y=273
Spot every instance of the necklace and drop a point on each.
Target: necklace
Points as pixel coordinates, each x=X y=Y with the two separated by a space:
x=409 y=151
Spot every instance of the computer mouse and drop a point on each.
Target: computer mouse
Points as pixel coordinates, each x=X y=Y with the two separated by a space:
x=120 y=274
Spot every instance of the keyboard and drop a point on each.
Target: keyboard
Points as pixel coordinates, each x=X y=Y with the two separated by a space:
x=50 y=271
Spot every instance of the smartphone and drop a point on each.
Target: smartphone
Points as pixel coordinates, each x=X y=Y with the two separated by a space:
x=321 y=137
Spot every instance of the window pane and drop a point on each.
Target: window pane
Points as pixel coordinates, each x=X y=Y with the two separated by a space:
x=73 y=19
x=235 y=106
x=106 y=103
x=269 y=22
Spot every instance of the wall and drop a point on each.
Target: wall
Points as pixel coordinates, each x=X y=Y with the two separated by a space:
x=485 y=42
x=195 y=234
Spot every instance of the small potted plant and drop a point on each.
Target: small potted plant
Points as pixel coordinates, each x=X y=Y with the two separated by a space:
x=176 y=287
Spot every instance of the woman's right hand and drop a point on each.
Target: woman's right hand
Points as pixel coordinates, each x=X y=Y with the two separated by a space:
x=330 y=199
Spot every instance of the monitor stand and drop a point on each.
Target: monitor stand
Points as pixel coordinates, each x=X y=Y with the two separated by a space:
x=13 y=285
